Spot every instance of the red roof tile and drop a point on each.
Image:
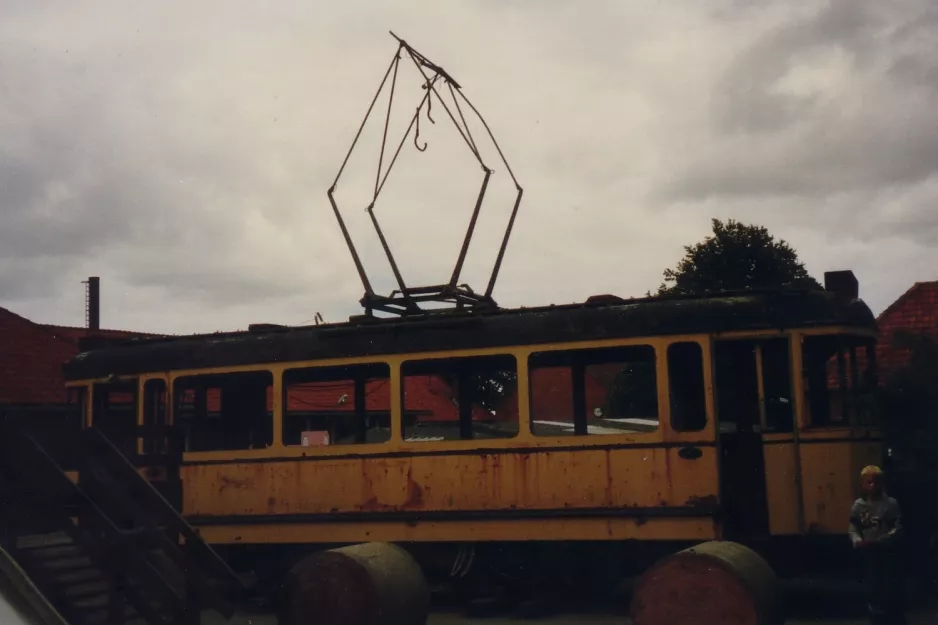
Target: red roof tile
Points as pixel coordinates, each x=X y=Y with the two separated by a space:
x=427 y=396
x=32 y=355
x=73 y=333
x=916 y=312
x=552 y=392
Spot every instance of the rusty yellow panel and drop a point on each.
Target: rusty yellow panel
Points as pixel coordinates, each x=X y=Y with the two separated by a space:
x=701 y=529
x=831 y=477
x=781 y=483
x=583 y=478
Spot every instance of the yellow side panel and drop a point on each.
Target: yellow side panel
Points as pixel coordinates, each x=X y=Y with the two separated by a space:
x=556 y=479
x=781 y=484
x=831 y=476
x=701 y=529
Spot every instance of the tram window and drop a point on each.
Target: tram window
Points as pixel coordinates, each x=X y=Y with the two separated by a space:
x=776 y=385
x=744 y=401
x=77 y=407
x=228 y=411
x=154 y=412
x=460 y=398
x=686 y=384
x=839 y=380
x=114 y=412
x=593 y=391
x=737 y=385
x=337 y=405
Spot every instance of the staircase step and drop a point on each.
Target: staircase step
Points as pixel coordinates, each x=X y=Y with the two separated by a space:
x=79 y=592
x=79 y=576
x=39 y=541
x=98 y=613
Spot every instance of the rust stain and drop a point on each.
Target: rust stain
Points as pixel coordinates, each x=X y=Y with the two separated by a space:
x=230 y=482
x=372 y=505
x=271 y=505
x=414 y=492
x=706 y=500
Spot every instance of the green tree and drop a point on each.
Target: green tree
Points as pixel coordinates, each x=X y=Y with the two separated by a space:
x=736 y=257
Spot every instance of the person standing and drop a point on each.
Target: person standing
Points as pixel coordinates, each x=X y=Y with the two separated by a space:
x=875 y=530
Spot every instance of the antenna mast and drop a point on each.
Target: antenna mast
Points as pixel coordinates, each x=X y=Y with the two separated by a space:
x=408 y=300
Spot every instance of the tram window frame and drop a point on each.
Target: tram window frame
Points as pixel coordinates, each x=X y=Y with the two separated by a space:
x=453 y=372
x=155 y=413
x=688 y=404
x=766 y=400
x=334 y=424
x=855 y=391
x=581 y=412
x=119 y=424
x=206 y=432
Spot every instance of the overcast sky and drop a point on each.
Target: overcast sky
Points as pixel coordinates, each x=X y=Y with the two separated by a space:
x=182 y=151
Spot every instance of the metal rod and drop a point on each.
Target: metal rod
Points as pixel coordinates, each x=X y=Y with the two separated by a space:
x=348 y=241
x=432 y=87
x=462 y=117
x=501 y=250
x=400 y=145
x=367 y=114
x=491 y=136
x=387 y=121
x=387 y=251
x=436 y=68
x=472 y=225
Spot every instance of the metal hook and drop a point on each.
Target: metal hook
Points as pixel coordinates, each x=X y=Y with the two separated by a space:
x=429 y=85
x=417 y=133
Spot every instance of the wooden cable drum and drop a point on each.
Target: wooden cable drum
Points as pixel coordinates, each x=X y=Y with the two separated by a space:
x=714 y=583
x=366 y=584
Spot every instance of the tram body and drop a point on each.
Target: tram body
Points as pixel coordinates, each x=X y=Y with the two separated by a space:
x=743 y=417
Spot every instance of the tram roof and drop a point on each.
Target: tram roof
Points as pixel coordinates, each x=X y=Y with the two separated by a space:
x=604 y=317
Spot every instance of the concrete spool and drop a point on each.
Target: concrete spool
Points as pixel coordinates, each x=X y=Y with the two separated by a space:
x=365 y=584
x=714 y=583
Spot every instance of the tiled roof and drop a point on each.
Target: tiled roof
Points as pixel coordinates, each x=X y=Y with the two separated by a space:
x=916 y=312
x=552 y=390
x=428 y=396
x=31 y=358
x=73 y=333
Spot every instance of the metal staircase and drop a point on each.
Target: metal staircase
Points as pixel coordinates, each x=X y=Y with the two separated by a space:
x=109 y=549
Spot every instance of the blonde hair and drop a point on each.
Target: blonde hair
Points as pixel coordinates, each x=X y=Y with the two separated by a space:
x=871 y=470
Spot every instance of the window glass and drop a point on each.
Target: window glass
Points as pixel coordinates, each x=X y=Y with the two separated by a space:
x=598 y=391
x=337 y=405
x=114 y=412
x=460 y=398
x=746 y=402
x=686 y=387
x=839 y=380
x=154 y=415
x=230 y=411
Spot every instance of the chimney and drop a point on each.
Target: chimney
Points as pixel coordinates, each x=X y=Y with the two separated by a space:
x=842 y=283
x=93 y=303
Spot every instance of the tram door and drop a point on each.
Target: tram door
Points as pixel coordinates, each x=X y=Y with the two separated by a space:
x=742 y=463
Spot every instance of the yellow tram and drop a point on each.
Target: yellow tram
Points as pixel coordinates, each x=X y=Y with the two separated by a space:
x=743 y=417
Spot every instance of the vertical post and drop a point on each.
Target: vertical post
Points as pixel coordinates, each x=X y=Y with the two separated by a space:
x=94 y=303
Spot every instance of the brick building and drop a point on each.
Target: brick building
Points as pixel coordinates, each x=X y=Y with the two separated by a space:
x=914 y=312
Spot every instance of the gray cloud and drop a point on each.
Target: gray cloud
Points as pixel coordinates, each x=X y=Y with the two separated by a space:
x=182 y=152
